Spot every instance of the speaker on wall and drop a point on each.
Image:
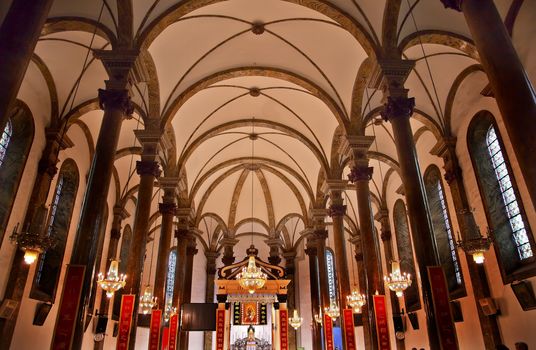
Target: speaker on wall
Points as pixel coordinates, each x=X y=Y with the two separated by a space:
x=488 y=306
x=524 y=295
x=456 y=309
x=398 y=321
x=101 y=323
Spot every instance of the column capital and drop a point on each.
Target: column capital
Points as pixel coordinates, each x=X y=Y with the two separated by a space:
x=211 y=255
x=398 y=107
x=310 y=250
x=167 y=208
x=115 y=233
x=120 y=211
x=334 y=187
x=356 y=147
x=47 y=165
x=150 y=141
x=446 y=149
x=385 y=234
x=123 y=67
x=144 y=167
x=191 y=250
x=116 y=99
x=336 y=210
x=453 y=4
x=382 y=214
x=58 y=136
x=360 y=173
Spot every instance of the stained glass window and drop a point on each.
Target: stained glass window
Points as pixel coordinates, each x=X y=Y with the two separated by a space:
x=519 y=232
x=452 y=245
x=4 y=141
x=170 y=279
x=330 y=268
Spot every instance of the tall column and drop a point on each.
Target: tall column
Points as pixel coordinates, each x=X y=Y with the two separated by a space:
x=115 y=101
x=358 y=255
x=397 y=110
x=149 y=170
x=337 y=211
x=318 y=238
x=361 y=174
x=446 y=149
x=383 y=217
x=314 y=282
x=209 y=290
x=191 y=251
x=167 y=211
x=18 y=274
x=290 y=269
x=18 y=36
x=511 y=86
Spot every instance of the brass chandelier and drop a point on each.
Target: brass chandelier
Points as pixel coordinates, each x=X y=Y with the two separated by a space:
x=397 y=281
x=356 y=301
x=295 y=321
x=113 y=281
x=333 y=311
x=147 y=300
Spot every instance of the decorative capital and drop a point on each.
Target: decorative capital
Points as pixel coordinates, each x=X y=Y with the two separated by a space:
x=385 y=235
x=167 y=208
x=398 y=107
x=274 y=260
x=227 y=260
x=115 y=234
x=47 y=165
x=453 y=4
x=310 y=251
x=181 y=233
x=148 y=168
x=337 y=210
x=191 y=250
x=360 y=173
x=116 y=99
x=453 y=174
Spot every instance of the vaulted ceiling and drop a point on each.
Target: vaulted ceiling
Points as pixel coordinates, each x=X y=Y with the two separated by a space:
x=294 y=73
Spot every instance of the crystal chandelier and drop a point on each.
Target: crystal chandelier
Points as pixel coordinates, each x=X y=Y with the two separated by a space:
x=356 y=301
x=318 y=317
x=113 y=281
x=147 y=300
x=333 y=310
x=251 y=277
x=31 y=240
x=396 y=281
x=295 y=321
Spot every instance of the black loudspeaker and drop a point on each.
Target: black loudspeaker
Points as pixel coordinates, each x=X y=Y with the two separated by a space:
x=358 y=320
x=398 y=322
x=456 y=309
x=102 y=322
x=414 y=320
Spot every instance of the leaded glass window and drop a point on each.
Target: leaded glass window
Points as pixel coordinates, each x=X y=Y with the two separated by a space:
x=519 y=233
x=330 y=269
x=448 y=227
x=170 y=279
x=4 y=141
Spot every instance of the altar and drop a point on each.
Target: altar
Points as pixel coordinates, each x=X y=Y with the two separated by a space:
x=252 y=321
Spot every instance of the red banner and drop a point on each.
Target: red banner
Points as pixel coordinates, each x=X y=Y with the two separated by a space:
x=328 y=332
x=283 y=329
x=70 y=299
x=382 y=327
x=440 y=296
x=165 y=338
x=220 y=329
x=173 y=329
x=125 y=320
x=349 y=330
x=154 y=330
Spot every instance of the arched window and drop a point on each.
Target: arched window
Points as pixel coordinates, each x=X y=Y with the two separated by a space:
x=49 y=265
x=125 y=249
x=4 y=141
x=332 y=276
x=514 y=243
x=443 y=233
x=405 y=254
x=170 y=278
x=15 y=144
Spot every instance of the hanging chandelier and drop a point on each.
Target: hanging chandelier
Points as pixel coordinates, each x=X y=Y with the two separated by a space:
x=333 y=310
x=295 y=321
x=474 y=244
x=113 y=281
x=251 y=277
x=31 y=240
x=396 y=281
x=147 y=300
x=356 y=301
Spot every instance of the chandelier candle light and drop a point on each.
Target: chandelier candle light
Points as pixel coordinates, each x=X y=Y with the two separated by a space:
x=113 y=281
x=318 y=318
x=147 y=301
x=251 y=277
x=396 y=281
x=475 y=244
x=295 y=321
x=356 y=301
x=333 y=310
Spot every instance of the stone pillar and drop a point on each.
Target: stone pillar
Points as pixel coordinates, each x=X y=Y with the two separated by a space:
x=337 y=211
x=358 y=255
x=318 y=239
x=167 y=210
x=383 y=218
x=190 y=253
x=209 y=290
x=511 y=86
x=446 y=149
x=116 y=103
x=361 y=174
x=290 y=270
x=314 y=281
x=397 y=110
x=18 y=274
x=18 y=36
x=149 y=170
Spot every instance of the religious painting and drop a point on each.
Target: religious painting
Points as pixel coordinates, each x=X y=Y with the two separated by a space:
x=249 y=313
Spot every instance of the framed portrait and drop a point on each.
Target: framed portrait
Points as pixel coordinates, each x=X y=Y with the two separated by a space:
x=524 y=294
